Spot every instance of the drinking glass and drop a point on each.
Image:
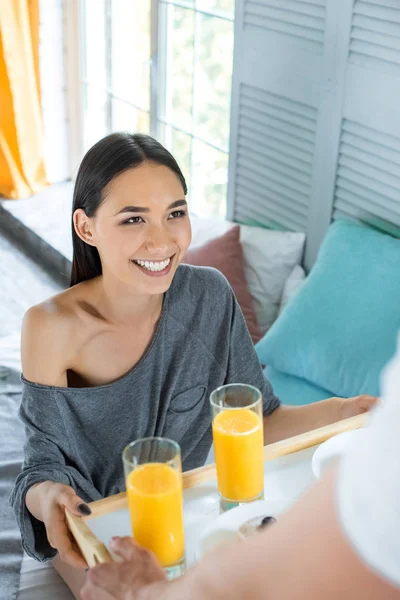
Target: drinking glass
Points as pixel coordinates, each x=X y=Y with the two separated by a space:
x=237 y=425
x=153 y=477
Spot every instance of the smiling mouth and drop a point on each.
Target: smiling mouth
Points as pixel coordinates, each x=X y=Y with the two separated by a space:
x=154 y=266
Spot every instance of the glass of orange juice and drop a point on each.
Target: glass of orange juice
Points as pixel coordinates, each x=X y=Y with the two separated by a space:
x=153 y=477
x=237 y=425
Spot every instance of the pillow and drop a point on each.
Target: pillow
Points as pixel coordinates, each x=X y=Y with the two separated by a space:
x=293 y=390
x=225 y=254
x=340 y=329
x=204 y=230
x=292 y=285
x=269 y=258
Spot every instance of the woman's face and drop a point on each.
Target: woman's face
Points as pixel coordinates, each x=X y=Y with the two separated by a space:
x=142 y=229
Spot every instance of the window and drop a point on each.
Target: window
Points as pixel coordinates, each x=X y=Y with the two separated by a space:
x=162 y=67
x=115 y=82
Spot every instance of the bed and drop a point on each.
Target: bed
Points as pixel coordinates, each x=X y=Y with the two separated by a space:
x=39 y=581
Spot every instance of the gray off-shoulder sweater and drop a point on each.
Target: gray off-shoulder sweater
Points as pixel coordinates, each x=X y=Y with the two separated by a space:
x=76 y=435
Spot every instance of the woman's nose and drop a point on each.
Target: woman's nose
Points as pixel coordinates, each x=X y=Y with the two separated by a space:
x=158 y=240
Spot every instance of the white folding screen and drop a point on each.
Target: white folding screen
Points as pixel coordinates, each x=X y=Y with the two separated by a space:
x=315 y=128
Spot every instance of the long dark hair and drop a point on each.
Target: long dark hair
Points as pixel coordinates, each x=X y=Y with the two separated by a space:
x=108 y=158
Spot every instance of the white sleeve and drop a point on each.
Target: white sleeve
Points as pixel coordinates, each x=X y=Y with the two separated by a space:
x=368 y=487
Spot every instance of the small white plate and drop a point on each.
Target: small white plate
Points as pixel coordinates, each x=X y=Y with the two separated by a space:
x=331 y=449
x=226 y=526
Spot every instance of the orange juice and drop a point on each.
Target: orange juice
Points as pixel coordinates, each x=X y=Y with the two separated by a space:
x=238 y=445
x=155 y=505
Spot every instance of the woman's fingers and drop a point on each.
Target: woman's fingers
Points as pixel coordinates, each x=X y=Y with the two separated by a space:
x=73 y=503
x=60 y=538
x=366 y=402
x=350 y=407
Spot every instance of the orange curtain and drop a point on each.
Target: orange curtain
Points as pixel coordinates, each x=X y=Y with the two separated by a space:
x=22 y=168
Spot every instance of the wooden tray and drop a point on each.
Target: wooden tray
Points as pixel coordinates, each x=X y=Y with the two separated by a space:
x=96 y=551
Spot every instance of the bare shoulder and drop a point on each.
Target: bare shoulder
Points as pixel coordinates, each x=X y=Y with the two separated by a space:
x=47 y=340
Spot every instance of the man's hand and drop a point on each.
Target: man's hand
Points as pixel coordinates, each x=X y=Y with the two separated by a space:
x=350 y=407
x=128 y=579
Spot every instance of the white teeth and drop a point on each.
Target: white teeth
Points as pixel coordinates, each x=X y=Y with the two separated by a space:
x=154 y=266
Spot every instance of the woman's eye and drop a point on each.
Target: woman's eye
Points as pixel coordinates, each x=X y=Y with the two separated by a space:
x=177 y=214
x=133 y=220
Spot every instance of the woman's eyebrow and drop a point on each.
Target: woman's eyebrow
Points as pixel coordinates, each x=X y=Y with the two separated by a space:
x=142 y=209
x=177 y=203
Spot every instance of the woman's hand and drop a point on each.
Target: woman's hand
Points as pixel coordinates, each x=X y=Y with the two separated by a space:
x=54 y=498
x=350 y=407
x=137 y=573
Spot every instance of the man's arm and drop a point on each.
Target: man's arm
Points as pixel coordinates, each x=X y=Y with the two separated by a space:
x=305 y=556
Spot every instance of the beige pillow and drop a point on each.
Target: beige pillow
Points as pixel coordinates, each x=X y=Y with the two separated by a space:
x=269 y=258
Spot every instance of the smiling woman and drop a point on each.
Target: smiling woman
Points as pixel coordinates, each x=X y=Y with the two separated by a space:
x=132 y=349
x=120 y=168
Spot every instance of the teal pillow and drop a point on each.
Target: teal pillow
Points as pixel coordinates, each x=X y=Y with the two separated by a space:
x=340 y=329
x=293 y=390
